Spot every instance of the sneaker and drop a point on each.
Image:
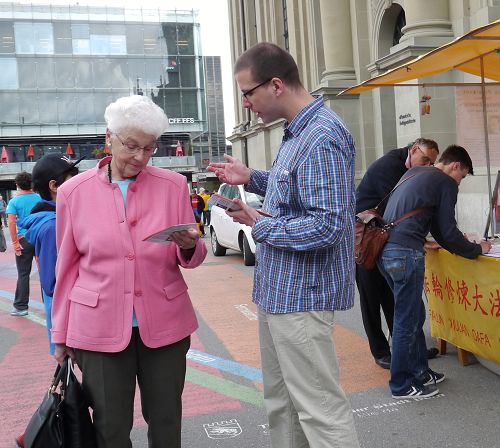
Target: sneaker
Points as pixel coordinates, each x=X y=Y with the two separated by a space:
x=16 y=312
x=418 y=392
x=431 y=377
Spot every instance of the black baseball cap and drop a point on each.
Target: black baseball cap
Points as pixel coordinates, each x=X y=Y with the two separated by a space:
x=51 y=167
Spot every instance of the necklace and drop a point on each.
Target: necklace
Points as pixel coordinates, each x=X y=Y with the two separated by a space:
x=109 y=172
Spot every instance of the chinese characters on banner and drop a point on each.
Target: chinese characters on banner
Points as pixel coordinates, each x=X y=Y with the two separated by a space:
x=464 y=301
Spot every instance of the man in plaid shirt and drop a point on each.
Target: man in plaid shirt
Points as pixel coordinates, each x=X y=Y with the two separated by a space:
x=305 y=266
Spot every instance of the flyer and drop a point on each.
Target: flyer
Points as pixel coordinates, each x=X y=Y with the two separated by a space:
x=165 y=236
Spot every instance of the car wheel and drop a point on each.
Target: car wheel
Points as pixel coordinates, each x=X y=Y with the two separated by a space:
x=217 y=249
x=248 y=256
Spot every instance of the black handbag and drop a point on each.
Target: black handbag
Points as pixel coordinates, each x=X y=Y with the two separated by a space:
x=63 y=419
x=78 y=429
x=45 y=429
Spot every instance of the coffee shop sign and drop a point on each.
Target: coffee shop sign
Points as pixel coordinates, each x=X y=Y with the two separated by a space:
x=181 y=120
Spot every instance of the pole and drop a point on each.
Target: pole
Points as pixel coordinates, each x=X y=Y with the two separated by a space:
x=486 y=141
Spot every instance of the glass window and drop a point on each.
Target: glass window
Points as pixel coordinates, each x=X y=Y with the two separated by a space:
x=64 y=73
x=7 y=37
x=101 y=72
x=152 y=37
x=83 y=73
x=24 y=38
x=28 y=108
x=185 y=38
x=27 y=73
x=47 y=107
x=45 y=73
x=80 y=31
x=190 y=104
x=134 y=39
x=9 y=112
x=81 y=46
x=170 y=102
x=154 y=73
x=84 y=108
x=62 y=38
x=101 y=101
x=99 y=44
x=135 y=73
x=117 y=44
x=171 y=71
x=66 y=108
x=187 y=70
x=8 y=80
x=44 y=38
x=118 y=73
x=170 y=36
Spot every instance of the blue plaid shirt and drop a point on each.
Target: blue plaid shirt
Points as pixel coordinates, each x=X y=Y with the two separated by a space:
x=305 y=251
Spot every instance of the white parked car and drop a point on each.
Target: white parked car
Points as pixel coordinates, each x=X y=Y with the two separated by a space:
x=227 y=234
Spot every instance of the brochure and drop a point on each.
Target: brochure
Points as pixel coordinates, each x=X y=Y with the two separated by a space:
x=165 y=236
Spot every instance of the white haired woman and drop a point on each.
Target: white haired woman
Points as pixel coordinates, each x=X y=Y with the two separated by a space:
x=121 y=307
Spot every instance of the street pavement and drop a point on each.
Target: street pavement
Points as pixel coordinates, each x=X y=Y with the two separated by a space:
x=223 y=404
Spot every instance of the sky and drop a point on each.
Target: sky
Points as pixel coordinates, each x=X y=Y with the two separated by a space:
x=214 y=27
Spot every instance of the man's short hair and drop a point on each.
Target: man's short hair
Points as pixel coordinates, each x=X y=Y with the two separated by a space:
x=427 y=142
x=23 y=180
x=455 y=153
x=266 y=61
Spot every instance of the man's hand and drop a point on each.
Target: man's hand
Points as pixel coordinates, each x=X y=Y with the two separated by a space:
x=232 y=172
x=485 y=246
x=62 y=351
x=247 y=215
x=18 y=249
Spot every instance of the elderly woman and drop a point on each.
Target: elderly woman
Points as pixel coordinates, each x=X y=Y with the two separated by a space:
x=121 y=307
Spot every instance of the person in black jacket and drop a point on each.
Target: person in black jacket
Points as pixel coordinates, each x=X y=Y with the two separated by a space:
x=374 y=292
x=402 y=262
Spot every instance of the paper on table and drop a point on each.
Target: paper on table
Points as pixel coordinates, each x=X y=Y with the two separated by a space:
x=165 y=236
x=494 y=251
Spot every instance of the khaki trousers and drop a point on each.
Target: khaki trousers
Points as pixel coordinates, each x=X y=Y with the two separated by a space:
x=305 y=404
x=109 y=381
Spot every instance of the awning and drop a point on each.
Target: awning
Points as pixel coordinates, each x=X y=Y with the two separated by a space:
x=479 y=47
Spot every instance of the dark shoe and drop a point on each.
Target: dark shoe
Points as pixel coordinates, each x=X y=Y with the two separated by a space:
x=432 y=377
x=384 y=362
x=432 y=352
x=418 y=392
x=16 y=312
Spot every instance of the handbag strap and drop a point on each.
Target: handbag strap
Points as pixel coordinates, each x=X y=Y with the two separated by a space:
x=396 y=186
x=407 y=215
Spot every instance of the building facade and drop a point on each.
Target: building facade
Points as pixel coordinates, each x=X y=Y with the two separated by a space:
x=339 y=43
x=62 y=65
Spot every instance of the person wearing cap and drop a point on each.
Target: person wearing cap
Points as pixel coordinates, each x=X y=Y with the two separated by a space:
x=121 y=307
x=17 y=209
x=49 y=173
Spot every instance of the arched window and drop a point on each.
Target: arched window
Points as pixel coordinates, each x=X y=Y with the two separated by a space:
x=400 y=23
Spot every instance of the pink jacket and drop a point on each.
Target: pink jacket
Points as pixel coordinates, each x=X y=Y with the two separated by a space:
x=105 y=270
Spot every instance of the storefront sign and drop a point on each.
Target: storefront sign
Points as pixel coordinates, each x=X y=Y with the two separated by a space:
x=464 y=301
x=180 y=120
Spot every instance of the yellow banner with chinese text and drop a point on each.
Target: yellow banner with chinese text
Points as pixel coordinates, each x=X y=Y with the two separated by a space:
x=464 y=301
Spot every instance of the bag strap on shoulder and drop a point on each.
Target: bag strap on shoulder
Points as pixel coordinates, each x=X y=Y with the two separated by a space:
x=396 y=186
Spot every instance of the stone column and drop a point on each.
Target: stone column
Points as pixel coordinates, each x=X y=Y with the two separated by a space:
x=426 y=19
x=337 y=41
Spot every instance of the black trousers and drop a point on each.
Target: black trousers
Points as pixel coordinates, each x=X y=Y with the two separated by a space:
x=23 y=264
x=109 y=381
x=375 y=293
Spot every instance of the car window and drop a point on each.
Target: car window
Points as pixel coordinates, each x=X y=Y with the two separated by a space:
x=254 y=200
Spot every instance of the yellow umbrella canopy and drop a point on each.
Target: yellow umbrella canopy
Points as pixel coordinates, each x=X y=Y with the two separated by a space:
x=479 y=47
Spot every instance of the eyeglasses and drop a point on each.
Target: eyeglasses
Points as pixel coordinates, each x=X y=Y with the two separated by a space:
x=249 y=92
x=131 y=148
x=426 y=159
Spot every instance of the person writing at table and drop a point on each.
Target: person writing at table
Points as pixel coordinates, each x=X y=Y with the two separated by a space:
x=121 y=307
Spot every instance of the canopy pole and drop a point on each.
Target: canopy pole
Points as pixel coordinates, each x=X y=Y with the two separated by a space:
x=487 y=142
